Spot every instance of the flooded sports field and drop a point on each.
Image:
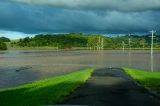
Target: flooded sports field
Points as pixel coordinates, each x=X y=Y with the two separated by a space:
x=22 y=66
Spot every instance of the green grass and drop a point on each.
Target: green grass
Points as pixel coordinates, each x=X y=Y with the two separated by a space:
x=43 y=92
x=149 y=80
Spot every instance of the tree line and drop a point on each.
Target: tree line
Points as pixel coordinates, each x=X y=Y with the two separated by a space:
x=91 y=41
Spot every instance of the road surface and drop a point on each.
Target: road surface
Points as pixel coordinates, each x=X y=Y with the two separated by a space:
x=110 y=87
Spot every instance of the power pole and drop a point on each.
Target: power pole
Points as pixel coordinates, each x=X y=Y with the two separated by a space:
x=152 y=37
x=123 y=44
x=143 y=46
x=102 y=43
x=99 y=43
x=129 y=42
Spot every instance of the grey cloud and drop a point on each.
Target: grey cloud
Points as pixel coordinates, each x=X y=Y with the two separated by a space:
x=35 y=19
x=117 y=5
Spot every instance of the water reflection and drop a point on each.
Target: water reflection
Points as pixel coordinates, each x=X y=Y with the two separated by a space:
x=152 y=61
x=111 y=58
x=129 y=58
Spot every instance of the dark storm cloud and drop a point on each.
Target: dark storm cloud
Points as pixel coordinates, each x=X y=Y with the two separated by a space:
x=118 y=5
x=27 y=17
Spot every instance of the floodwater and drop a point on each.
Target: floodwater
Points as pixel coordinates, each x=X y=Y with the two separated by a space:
x=23 y=66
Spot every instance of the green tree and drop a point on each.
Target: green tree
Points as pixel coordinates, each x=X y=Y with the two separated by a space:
x=3 y=46
x=93 y=42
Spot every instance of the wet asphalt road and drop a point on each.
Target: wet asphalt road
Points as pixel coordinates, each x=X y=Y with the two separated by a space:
x=110 y=87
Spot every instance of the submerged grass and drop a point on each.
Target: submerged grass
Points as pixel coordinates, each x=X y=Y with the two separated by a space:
x=149 y=80
x=44 y=92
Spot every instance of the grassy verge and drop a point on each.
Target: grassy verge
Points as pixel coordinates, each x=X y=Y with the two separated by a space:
x=43 y=92
x=150 y=80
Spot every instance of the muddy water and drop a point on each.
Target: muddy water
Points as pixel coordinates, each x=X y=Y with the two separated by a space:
x=19 y=67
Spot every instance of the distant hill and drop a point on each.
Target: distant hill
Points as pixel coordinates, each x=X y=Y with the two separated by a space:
x=4 y=39
x=92 y=41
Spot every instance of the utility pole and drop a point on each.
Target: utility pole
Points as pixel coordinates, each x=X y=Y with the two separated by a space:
x=123 y=44
x=129 y=42
x=102 y=43
x=152 y=37
x=97 y=42
x=143 y=46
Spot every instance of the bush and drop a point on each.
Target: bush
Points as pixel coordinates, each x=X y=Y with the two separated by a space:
x=3 y=46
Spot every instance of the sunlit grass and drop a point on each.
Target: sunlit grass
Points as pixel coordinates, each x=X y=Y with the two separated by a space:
x=43 y=92
x=150 y=80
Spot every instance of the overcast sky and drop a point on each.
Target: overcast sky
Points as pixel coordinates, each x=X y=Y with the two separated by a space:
x=20 y=18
